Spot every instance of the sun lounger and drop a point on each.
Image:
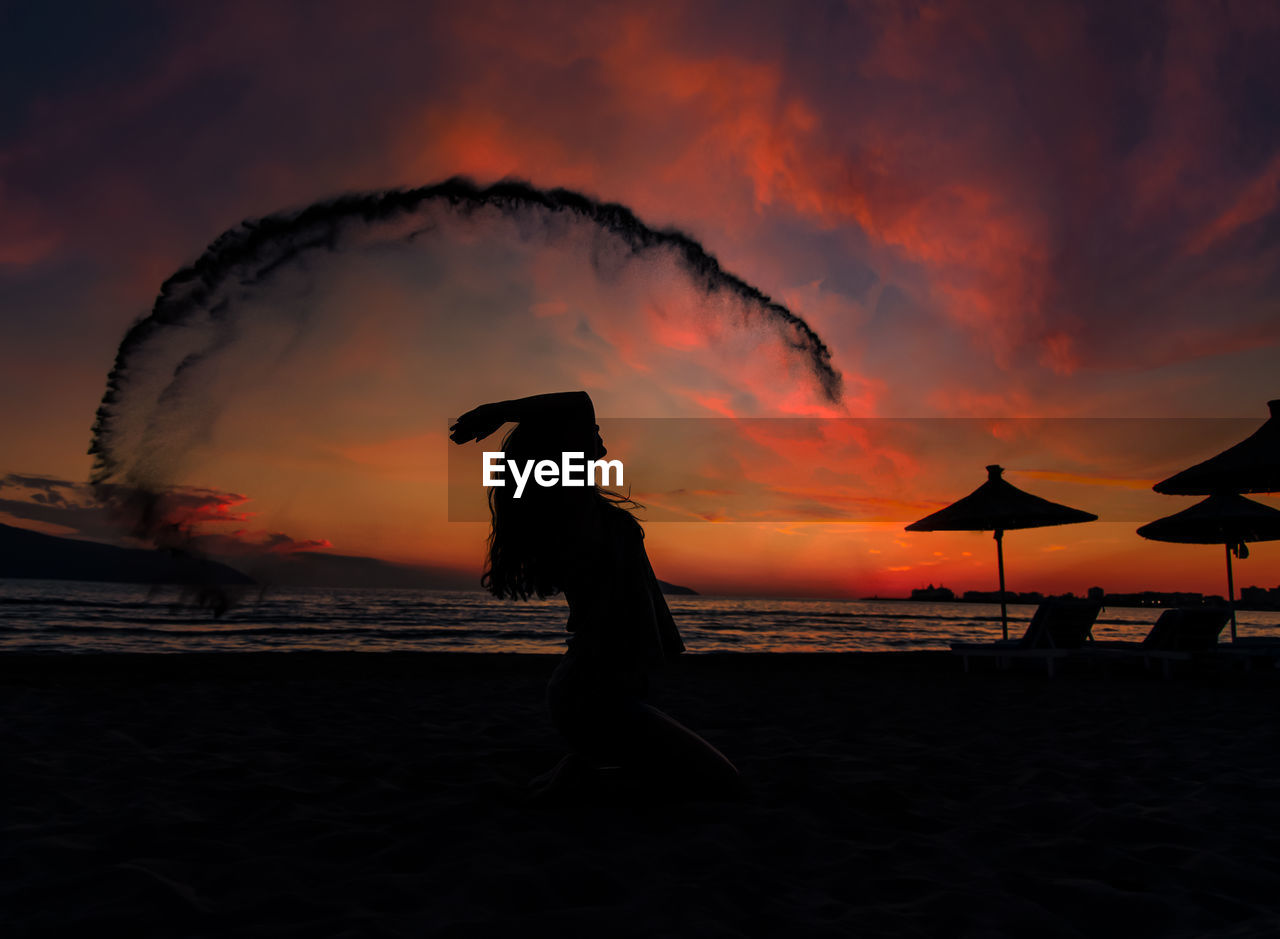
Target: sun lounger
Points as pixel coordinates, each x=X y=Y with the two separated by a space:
x=1180 y=634
x=1057 y=629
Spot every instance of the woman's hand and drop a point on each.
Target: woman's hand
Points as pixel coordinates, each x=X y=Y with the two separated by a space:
x=479 y=423
x=562 y=406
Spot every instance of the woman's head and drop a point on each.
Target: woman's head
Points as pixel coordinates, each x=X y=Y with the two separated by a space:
x=536 y=540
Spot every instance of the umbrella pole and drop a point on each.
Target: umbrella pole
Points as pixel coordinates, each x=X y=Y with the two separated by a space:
x=1231 y=595
x=1004 y=614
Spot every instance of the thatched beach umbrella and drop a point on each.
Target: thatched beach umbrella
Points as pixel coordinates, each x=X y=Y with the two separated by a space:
x=1000 y=506
x=1224 y=518
x=1252 y=465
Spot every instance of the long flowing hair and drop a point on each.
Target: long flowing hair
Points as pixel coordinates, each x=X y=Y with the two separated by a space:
x=539 y=542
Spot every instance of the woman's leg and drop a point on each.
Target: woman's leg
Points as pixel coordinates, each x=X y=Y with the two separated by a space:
x=670 y=755
x=573 y=776
x=607 y=728
x=567 y=778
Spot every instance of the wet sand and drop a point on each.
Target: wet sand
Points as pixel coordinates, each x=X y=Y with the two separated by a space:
x=383 y=795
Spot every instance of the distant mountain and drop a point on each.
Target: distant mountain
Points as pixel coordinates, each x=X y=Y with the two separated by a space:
x=676 y=589
x=26 y=553
x=312 y=569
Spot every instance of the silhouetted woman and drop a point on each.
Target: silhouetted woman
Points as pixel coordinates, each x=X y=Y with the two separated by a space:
x=583 y=542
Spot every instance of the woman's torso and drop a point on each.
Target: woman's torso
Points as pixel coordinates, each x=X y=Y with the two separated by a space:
x=618 y=618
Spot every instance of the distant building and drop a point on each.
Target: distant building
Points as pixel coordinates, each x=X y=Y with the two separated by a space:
x=933 y=593
x=1260 y=598
x=1097 y=594
x=1159 y=598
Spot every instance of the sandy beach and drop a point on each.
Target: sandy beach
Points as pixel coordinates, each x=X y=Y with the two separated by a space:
x=383 y=795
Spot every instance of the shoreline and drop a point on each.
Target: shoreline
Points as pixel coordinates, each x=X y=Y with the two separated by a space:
x=9 y=660
x=938 y=667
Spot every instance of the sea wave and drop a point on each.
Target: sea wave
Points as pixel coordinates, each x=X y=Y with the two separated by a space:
x=64 y=616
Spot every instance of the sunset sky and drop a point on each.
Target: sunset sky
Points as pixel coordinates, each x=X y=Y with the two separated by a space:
x=1061 y=213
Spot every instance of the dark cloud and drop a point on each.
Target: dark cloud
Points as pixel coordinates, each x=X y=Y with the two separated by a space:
x=1111 y=134
x=94 y=43
x=88 y=521
x=189 y=511
x=52 y=501
x=47 y=484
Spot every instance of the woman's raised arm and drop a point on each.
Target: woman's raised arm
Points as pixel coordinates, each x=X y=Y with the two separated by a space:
x=566 y=406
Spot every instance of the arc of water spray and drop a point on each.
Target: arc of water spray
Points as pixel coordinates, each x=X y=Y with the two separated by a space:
x=251 y=253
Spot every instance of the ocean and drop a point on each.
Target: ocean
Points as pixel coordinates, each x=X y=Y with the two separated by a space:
x=66 y=616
